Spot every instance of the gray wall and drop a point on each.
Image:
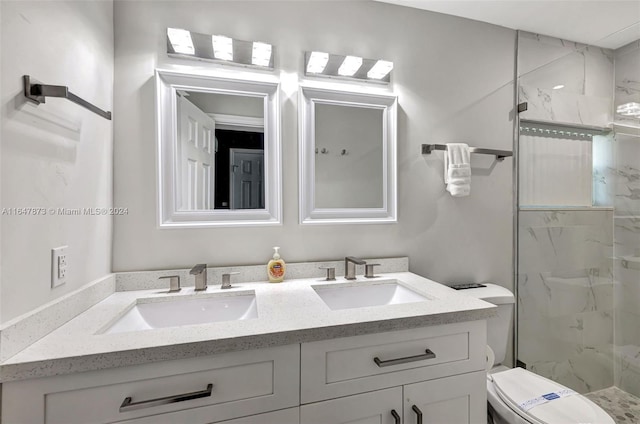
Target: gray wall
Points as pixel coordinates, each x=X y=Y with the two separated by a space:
x=454 y=81
x=57 y=154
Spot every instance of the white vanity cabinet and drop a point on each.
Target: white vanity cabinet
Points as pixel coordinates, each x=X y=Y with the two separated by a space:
x=438 y=371
x=379 y=407
x=195 y=391
x=460 y=399
x=384 y=378
x=285 y=416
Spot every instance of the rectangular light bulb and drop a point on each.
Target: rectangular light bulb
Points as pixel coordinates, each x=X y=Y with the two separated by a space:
x=261 y=54
x=350 y=66
x=317 y=62
x=222 y=47
x=629 y=109
x=180 y=40
x=380 y=69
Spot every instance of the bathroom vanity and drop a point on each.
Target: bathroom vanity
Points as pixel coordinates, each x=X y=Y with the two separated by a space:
x=396 y=349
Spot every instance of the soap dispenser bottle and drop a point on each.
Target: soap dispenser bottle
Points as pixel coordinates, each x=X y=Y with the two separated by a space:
x=276 y=267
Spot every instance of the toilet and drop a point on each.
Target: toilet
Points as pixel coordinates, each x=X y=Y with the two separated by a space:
x=518 y=396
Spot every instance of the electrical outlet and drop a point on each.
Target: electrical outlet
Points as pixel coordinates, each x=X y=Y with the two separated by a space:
x=59 y=266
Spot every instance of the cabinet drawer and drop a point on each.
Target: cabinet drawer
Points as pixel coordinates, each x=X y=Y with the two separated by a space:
x=340 y=367
x=374 y=407
x=242 y=384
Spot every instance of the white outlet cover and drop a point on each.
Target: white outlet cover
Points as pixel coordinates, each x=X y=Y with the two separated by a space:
x=58 y=266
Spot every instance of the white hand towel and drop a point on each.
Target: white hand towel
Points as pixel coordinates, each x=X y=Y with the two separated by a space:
x=457 y=169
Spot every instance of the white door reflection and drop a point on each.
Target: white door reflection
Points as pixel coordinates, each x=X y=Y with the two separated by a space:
x=247 y=181
x=220 y=156
x=196 y=156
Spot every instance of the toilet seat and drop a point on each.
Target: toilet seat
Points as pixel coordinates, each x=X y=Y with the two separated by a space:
x=563 y=406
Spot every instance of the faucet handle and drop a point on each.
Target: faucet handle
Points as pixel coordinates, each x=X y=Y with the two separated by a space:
x=174 y=282
x=331 y=272
x=197 y=269
x=226 y=279
x=368 y=270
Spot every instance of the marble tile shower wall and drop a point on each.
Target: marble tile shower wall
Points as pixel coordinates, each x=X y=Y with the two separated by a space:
x=582 y=76
x=565 y=296
x=565 y=258
x=627 y=265
x=627 y=79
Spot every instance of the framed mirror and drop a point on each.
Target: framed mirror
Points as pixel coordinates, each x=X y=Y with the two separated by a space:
x=218 y=149
x=347 y=156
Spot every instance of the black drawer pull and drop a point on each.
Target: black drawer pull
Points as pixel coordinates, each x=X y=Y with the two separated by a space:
x=428 y=354
x=395 y=416
x=418 y=414
x=128 y=405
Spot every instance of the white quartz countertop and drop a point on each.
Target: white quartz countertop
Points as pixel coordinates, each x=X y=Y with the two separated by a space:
x=288 y=312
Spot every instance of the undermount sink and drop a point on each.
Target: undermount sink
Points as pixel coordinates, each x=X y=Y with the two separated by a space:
x=172 y=312
x=364 y=294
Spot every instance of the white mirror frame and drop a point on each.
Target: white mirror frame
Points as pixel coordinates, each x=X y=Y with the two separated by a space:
x=245 y=84
x=312 y=94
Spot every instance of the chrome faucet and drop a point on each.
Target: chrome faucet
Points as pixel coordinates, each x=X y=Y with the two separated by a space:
x=200 y=271
x=226 y=280
x=174 y=282
x=350 y=267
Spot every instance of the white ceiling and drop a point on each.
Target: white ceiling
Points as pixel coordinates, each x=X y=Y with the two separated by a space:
x=604 y=23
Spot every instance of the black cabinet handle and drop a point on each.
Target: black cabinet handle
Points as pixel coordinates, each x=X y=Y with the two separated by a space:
x=428 y=354
x=395 y=416
x=129 y=405
x=418 y=414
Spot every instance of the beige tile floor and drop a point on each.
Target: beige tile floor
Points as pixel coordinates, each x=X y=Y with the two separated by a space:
x=622 y=406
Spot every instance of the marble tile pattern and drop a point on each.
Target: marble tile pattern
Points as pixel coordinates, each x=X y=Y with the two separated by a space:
x=627 y=185
x=22 y=331
x=550 y=105
x=585 y=73
x=623 y=407
x=627 y=360
x=145 y=280
x=627 y=79
x=288 y=312
x=627 y=264
x=565 y=295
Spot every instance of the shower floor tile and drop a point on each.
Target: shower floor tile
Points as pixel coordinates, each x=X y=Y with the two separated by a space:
x=622 y=406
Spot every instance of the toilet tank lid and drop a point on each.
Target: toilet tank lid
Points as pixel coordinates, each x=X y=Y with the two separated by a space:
x=492 y=293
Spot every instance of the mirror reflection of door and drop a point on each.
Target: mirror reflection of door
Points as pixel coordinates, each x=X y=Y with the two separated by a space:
x=247 y=181
x=196 y=156
x=210 y=127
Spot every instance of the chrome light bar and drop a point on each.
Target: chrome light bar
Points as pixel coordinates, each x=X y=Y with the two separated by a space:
x=322 y=64
x=219 y=48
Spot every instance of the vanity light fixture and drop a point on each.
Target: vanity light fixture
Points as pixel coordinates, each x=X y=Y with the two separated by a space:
x=350 y=66
x=180 y=40
x=326 y=65
x=558 y=87
x=381 y=69
x=261 y=54
x=317 y=62
x=219 y=48
x=629 y=109
x=222 y=47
